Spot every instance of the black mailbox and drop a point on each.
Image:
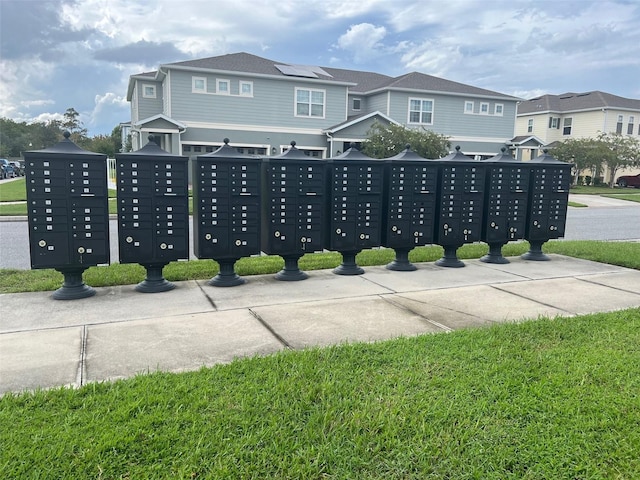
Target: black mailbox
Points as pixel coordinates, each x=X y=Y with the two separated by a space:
x=153 y=212
x=460 y=205
x=548 y=201
x=411 y=183
x=226 y=199
x=506 y=203
x=355 y=189
x=293 y=208
x=68 y=213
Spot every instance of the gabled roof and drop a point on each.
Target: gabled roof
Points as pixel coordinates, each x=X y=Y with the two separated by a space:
x=573 y=102
x=523 y=139
x=168 y=122
x=358 y=81
x=357 y=119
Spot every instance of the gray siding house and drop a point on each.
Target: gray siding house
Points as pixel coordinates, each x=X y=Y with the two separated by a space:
x=262 y=105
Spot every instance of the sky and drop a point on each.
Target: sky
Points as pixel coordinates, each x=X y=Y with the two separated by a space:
x=57 y=54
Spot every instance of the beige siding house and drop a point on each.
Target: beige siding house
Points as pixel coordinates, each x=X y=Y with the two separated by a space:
x=556 y=118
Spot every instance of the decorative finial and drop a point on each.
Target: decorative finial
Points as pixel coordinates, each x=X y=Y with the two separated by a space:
x=352 y=145
x=293 y=144
x=66 y=134
x=151 y=138
x=408 y=146
x=503 y=149
x=457 y=148
x=226 y=141
x=545 y=151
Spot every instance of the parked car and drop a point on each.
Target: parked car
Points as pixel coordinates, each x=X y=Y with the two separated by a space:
x=7 y=168
x=18 y=168
x=629 y=181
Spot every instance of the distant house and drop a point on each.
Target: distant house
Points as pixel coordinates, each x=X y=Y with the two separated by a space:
x=555 y=118
x=262 y=105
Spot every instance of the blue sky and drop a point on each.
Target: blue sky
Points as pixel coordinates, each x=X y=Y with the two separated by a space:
x=56 y=54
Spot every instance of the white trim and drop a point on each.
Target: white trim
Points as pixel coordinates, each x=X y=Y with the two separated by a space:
x=220 y=81
x=195 y=79
x=166 y=97
x=353 y=100
x=495 y=109
x=310 y=90
x=421 y=100
x=245 y=82
x=157 y=117
x=360 y=119
x=148 y=85
x=480 y=139
x=466 y=103
x=254 y=128
x=158 y=130
x=485 y=112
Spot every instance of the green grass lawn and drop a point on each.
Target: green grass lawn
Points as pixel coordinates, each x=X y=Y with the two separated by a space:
x=545 y=399
x=631 y=197
x=552 y=398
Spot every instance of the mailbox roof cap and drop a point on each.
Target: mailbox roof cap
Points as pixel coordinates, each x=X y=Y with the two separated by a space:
x=64 y=148
x=227 y=151
x=150 y=150
x=352 y=153
x=408 y=155
x=458 y=156
x=503 y=157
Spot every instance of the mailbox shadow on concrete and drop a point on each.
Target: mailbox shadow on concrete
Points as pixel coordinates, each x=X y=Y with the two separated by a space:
x=293 y=208
x=226 y=198
x=153 y=212
x=68 y=213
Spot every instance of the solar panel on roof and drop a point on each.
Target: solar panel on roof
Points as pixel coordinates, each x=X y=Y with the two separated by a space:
x=296 y=71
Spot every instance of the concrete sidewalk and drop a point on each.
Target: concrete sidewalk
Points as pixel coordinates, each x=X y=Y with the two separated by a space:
x=119 y=332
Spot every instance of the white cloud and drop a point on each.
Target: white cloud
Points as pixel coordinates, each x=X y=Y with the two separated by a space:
x=363 y=41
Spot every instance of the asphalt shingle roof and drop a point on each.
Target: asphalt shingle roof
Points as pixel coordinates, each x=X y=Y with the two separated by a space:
x=571 y=101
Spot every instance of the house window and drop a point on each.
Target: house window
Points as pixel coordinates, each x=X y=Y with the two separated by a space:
x=356 y=104
x=498 y=109
x=198 y=84
x=421 y=111
x=246 y=89
x=484 y=108
x=530 y=125
x=309 y=103
x=566 y=126
x=630 y=126
x=619 y=124
x=554 y=122
x=148 y=91
x=222 y=87
x=468 y=107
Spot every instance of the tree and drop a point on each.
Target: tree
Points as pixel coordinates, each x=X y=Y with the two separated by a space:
x=71 y=122
x=619 y=151
x=583 y=153
x=384 y=141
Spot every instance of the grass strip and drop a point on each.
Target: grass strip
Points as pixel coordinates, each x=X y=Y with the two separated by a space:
x=544 y=399
x=625 y=254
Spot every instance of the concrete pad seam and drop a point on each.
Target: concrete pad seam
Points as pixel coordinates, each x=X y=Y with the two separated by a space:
x=600 y=284
x=389 y=300
x=211 y=301
x=271 y=330
x=496 y=286
x=445 y=308
x=81 y=374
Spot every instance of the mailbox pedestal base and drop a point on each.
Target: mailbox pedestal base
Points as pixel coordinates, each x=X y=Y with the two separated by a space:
x=227 y=277
x=401 y=262
x=495 y=254
x=291 y=272
x=73 y=287
x=450 y=258
x=155 y=281
x=348 y=265
x=535 y=252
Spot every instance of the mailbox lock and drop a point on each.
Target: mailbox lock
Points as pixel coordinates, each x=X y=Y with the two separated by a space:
x=394 y=228
x=238 y=243
x=465 y=231
x=493 y=224
x=416 y=234
x=42 y=243
x=362 y=236
x=303 y=239
x=81 y=250
x=129 y=239
x=277 y=234
x=207 y=236
x=445 y=226
x=163 y=246
x=338 y=231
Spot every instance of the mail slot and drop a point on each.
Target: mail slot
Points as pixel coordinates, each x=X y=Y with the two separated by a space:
x=226 y=199
x=67 y=208
x=293 y=208
x=153 y=212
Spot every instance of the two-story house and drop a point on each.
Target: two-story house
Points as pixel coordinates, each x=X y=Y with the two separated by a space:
x=262 y=105
x=544 y=120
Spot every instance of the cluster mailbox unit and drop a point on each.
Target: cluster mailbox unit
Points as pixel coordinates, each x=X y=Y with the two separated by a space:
x=506 y=204
x=411 y=184
x=68 y=213
x=153 y=212
x=293 y=208
x=548 y=202
x=459 y=217
x=226 y=198
x=355 y=190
